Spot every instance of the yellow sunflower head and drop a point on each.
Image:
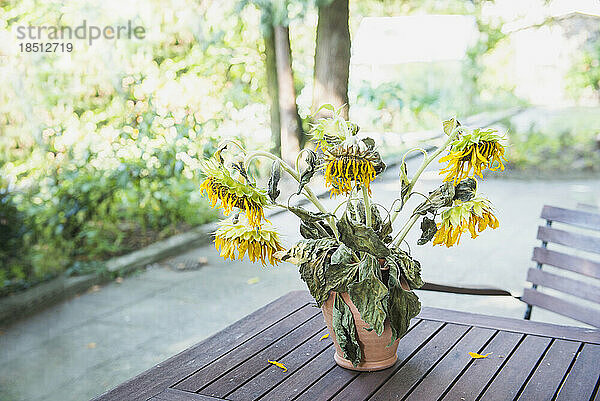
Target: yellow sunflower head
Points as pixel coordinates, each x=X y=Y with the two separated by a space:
x=478 y=150
x=474 y=216
x=220 y=185
x=234 y=239
x=349 y=163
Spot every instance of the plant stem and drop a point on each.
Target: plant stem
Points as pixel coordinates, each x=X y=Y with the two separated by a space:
x=426 y=161
x=405 y=229
x=367 y=202
x=310 y=195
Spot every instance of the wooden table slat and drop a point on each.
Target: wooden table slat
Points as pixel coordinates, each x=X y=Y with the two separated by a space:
x=328 y=385
x=473 y=380
x=156 y=379
x=171 y=394
x=509 y=381
x=511 y=324
x=228 y=382
x=273 y=375
x=583 y=377
x=363 y=386
x=550 y=372
x=450 y=367
x=303 y=378
x=238 y=355
x=417 y=367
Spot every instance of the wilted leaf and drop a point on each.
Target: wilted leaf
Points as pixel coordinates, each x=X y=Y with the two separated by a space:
x=305 y=250
x=274 y=181
x=307 y=216
x=339 y=277
x=324 y=337
x=361 y=238
x=218 y=154
x=441 y=197
x=475 y=355
x=312 y=161
x=428 y=230
x=369 y=142
x=278 y=364
x=402 y=305
x=369 y=295
x=407 y=266
x=345 y=330
x=341 y=256
x=404 y=183
x=238 y=165
x=465 y=190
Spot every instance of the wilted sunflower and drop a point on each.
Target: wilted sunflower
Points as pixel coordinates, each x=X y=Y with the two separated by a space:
x=477 y=150
x=241 y=237
x=220 y=185
x=473 y=216
x=351 y=163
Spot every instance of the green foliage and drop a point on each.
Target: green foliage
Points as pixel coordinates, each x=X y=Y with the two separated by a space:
x=585 y=72
x=99 y=148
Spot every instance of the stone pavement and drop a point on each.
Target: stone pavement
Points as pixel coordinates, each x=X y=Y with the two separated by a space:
x=78 y=349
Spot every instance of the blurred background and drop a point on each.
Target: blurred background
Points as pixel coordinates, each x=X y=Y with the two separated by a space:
x=99 y=146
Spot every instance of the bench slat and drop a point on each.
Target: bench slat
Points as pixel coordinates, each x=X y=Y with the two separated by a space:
x=572 y=263
x=564 y=284
x=574 y=240
x=573 y=217
x=565 y=308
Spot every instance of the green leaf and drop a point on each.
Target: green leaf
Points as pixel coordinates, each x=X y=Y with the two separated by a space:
x=402 y=305
x=361 y=238
x=345 y=330
x=450 y=125
x=339 y=277
x=369 y=295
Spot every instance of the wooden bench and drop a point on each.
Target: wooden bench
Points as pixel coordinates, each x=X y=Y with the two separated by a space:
x=564 y=259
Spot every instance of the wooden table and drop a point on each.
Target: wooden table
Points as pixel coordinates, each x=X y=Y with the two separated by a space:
x=528 y=361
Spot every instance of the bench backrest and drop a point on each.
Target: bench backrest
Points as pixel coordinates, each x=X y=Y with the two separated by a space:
x=588 y=241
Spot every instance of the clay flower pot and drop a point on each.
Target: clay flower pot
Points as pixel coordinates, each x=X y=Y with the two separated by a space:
x=376 y=355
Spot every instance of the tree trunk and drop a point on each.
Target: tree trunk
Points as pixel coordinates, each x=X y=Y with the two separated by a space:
x=272 y=86
x=332 y=56
x=291 y=131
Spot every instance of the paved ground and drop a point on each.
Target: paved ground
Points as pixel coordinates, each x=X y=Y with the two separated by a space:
x=89 y=344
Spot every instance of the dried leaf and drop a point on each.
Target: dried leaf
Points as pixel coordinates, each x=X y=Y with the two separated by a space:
x=218 y=156
x=312 y=161
x=307 y=216
x=278 y=364
x=324 y=337
x=407 y=266
x=361 y=238
x=465 y=190
x=91 y=345
x=274 y=181
x=345 y=330
x=475 y=355
x=369 y=294
x=428 y=230
x=238 y=165
x=441 y=197
x=402 y=305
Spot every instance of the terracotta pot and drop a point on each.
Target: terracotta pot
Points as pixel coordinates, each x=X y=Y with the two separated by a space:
x=376 y=355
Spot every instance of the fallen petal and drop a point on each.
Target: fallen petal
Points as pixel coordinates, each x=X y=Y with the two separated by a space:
x=278 y=364
x=475 y=355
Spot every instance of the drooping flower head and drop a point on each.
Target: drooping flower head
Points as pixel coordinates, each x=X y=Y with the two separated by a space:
x=474 y=216
x=349 y=163
x=220 y=185
x=235 y=239
x=478 y=150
